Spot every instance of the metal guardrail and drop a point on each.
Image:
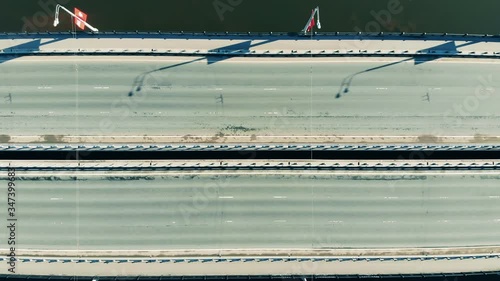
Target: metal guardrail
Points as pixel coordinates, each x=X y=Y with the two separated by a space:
x=479 y=274
x=285 y=147
x=250 y=53
x=249 y=259
x=282 y=35
x=256 y=36
x=253 y=277
x=253 y=166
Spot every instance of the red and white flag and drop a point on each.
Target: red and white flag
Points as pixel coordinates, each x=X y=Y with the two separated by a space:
x=312 y=23
x=80 y=19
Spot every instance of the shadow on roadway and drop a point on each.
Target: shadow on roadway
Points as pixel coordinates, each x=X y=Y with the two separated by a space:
x=449 y=48
x=27 y=47
x=228 y=51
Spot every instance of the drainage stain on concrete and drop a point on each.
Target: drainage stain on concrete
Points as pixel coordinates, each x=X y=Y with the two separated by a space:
x=4 y=138
x=428 y=139
x=52 y=138
x=479 y=138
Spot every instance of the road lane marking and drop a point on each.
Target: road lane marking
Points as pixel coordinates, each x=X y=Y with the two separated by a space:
x=388 y=221
x=53 y=199
x=279 y=197
x=229 y=221
x=270 y=89
x=226 y=197
x=391 y=197
x=336 y=221
x=494 y=197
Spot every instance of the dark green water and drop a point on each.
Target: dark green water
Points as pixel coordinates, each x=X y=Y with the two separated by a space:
x=458 y=16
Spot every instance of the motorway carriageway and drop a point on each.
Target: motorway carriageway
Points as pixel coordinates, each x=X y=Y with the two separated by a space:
x=248 y=100
x=107 y=211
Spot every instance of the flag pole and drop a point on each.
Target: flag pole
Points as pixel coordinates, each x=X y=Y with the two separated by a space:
x=315 y=12
x=56 y=18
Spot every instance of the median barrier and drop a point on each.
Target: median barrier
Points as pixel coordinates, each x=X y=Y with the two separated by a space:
x=267 y=259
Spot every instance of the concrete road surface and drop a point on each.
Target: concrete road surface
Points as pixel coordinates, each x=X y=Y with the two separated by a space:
x=127 y=211
x=178 y=99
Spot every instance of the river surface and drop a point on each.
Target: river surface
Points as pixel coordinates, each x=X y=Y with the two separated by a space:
x=453 y=16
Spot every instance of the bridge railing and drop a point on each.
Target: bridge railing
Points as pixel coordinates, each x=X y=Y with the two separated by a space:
x=251 y=259
x=237 y=147
x=281 y=35
x=247 y=53
x=265 y=47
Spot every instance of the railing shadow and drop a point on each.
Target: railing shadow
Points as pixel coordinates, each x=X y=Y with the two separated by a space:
x=33 y=46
